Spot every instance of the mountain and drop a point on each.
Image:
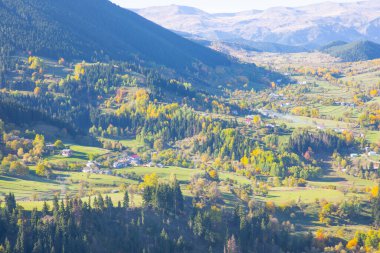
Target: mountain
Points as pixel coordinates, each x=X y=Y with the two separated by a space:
x=96 y=29
x=310 y=26
x=355 y=51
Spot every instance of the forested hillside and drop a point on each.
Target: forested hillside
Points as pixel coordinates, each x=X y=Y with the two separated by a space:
x=98 y=30
x=356 y=51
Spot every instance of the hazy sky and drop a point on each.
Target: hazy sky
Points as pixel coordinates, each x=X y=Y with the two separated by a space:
x=221 y=5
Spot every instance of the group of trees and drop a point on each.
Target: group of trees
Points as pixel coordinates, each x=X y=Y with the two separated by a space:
x=57 y=111
x=151 y=122
x=218 y=141
x=73 y=225
x=321 y=142
x=371 y=117
x=20 y=149
x=164 y=196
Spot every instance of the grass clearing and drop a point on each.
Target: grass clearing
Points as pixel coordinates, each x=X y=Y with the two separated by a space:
x=281 y=195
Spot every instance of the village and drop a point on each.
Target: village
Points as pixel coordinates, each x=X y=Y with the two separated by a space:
x=121 y=162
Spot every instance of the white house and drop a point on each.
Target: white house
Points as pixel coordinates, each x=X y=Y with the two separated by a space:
x=372 y=153
x=67 y=153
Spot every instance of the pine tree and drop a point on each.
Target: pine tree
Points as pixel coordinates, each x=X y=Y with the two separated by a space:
x=126 y=200
x=55 y=204
x=101 y=202
x=7 y=246
x=20 y=241
x=10 y=202
x=45 y=209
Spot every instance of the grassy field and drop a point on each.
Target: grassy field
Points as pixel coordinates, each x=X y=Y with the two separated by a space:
x=31 y=191
x=282 y=195
x=182 y=174
x=373 y=136
x=25 y=188
x=116 y=197
x=129 y=143
x=80 y=154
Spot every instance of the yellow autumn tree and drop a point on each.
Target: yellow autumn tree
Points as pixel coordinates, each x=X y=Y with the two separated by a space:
x=141 y=99
x=213 y=174
x=79 y=71
x=375 y=191
x=149 y=180
x=244 y=161
x=37 y=91
x=35 y=62
x=352 y=244
x=373 y=93
x=257 y=120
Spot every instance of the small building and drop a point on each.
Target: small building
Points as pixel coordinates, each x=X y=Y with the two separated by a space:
x=372 y=153
x=50 y=147
x=150 y=165
x=354 y=155
x=106 y=172
x=67 y=153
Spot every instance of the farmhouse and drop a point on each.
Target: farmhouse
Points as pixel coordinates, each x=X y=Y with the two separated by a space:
x=50 y=147
x=67 y=153
x=372 y=153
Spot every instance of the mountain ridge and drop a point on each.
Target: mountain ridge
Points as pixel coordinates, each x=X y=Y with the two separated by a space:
x=296 y=26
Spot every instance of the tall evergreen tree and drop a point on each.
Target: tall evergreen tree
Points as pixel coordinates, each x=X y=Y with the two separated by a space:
x=126 y=200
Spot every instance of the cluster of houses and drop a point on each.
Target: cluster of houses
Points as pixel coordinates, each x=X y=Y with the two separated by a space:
x=93 y=167
x=126 y=161
x=346 y=104
x=368 y=153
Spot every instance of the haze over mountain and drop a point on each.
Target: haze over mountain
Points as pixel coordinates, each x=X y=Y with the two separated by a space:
x=311 y=26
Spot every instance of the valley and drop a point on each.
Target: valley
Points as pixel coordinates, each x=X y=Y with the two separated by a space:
x=179 y=147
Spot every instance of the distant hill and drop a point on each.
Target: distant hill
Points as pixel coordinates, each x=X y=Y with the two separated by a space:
x=96 y=29
x=315 y=25
x=332 y=44
x=355 y=51
x=276 y=48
